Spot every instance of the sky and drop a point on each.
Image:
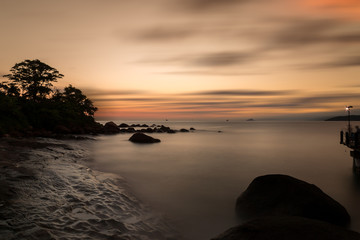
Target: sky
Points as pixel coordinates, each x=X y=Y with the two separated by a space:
x=194 y=59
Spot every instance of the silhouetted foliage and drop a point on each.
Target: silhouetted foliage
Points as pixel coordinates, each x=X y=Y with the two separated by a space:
x=11 y=117
x=78 y=100
x=28 y=102
x=33 y=78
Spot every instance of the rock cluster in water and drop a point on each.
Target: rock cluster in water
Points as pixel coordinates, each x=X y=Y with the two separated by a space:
x=94 y=129
x=283 y=207
x=112 y=128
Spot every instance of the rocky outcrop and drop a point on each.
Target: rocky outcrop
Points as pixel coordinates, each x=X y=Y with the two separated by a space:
x=123 y=125
x=287 y=227
x=184 y=130
x=143 y=138
x=111 y=128
x=281 y=195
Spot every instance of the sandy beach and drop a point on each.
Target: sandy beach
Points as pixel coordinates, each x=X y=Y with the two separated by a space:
x=47 y=192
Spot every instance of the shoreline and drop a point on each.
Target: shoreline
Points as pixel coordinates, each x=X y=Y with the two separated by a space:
x=50 y=193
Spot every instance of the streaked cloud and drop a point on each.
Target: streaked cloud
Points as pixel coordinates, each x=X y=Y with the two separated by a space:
x=212 y=73
x=203 y=5
x=244 y=92
x=165 y=34
x=98 y=92
x=339 y=63
x=222 y=59
x=138 y=99
x=307 y=32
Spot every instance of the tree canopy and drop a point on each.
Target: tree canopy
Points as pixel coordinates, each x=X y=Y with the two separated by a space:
x=31 y=79
x=29 y=101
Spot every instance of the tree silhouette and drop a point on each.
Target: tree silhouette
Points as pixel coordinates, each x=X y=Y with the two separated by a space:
x=31 y=79
x=78 y=100
x=28 y=103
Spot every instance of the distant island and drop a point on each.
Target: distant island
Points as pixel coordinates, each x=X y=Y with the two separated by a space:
x=250 y=119
x=344 y=118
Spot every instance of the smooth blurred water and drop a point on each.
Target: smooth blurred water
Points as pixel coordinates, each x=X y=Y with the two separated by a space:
x=194 y=178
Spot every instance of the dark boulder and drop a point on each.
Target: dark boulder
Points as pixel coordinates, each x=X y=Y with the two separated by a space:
x=285 y=228
x=143 y=138
x=123 y=125
x=171 y=131
x=149 y=130
x=164 y=129
x=192 y=129
x=111 y=128
x=184 y=130
x=276 y=195
x=130 y=130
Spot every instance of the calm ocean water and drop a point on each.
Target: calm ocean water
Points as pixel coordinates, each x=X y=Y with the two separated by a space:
x=194 y=178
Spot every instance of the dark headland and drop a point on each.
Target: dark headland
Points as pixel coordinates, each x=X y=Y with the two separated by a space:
x=344 y=118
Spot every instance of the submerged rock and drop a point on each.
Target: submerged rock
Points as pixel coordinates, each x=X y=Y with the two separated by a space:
x=276 y=195
x=143 y=138
x=285 y=228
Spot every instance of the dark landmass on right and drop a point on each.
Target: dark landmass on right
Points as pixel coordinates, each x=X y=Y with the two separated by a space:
x=344 y=118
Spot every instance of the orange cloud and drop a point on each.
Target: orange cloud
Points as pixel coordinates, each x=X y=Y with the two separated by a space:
x=349 y=9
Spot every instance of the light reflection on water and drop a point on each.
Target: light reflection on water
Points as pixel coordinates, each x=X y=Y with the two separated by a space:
x=194 y=178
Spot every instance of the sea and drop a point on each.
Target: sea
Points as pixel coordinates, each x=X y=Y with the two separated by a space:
x=192 y=179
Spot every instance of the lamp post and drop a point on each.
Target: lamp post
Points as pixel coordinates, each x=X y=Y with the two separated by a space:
x=348 y=110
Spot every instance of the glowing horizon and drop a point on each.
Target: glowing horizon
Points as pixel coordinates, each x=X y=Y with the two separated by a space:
x=194 y=59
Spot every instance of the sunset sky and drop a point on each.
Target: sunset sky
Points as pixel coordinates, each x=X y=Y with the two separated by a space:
x=194 y=59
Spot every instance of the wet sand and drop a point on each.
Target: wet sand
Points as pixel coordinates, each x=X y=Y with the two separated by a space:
x=47 y=192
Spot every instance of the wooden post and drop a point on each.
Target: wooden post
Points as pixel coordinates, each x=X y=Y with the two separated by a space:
x=356 y=140
x=342 y=137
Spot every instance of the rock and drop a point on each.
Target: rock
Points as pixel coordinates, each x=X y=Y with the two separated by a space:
x=149 y=130
x=123 y=125
x=192 y=129
x=143 y=138
x=276 y=195
x=144 y=126
x=171 y=131
x=164 y=129
x=285 y=228
x=130 y=130
x=111 y=128
x=184 y=130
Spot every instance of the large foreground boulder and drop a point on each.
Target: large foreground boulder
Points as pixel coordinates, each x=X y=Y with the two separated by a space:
x=277 y=195
x=143 y=138
x=286 y=228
